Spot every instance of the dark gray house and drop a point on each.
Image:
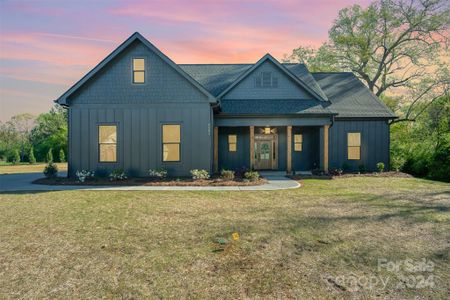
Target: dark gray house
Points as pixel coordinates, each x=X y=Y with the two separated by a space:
x=138 y=110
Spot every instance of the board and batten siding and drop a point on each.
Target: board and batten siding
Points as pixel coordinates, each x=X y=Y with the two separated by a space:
x=374 y=143
x=139 y=138
x=139 y=110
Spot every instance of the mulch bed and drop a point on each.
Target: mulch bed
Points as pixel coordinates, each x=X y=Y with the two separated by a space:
x=143 y=181
x=348 y=175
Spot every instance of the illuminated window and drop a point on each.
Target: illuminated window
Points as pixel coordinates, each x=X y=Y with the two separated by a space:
x=232 y=142
x=298 y=142
x=171 y=137
x=107 y=143
x=138 y=70
x=354 y=145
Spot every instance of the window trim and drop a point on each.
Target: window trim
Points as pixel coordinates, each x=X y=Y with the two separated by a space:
x=359 y=147
x=99 y=143
x=230 y=143
x=298 y=143
x=135 y=71
x=171 y=143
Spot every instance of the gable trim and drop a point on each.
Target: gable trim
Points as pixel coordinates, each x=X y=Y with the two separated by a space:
x=281 y=67
x=62 y=100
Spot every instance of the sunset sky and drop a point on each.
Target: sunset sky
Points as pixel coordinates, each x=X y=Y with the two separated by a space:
x=46 y=46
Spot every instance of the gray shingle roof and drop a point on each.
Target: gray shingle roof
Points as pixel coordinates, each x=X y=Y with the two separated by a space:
x=350 y=97
x=347 y=95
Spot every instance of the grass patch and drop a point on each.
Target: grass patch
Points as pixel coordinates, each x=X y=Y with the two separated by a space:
x=292 y=243
x=27 y=168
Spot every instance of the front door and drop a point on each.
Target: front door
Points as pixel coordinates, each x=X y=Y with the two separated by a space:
x=263 y=155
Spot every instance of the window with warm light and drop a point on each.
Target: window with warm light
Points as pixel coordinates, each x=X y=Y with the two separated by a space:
x=138 y=70
x=298 y=142
x=354 y=145
x=107 y=143
x=171 y=138
x=232 y=142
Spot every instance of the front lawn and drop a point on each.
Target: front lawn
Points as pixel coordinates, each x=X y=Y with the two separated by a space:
x=7 y=168
x=323 y=240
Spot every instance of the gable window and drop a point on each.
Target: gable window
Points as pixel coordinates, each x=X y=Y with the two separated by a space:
x=171 y=138
x=298 y=142
x=107 y=143
x=232 y=142
x=138 y=70
x=354 y=145
x=266 y=80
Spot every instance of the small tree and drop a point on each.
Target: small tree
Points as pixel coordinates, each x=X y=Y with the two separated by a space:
x=62 y=156
x=16 y=157
x=31 y=157
x=50 y=155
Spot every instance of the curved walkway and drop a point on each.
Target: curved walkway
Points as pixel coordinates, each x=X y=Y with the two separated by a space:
x=23 y=182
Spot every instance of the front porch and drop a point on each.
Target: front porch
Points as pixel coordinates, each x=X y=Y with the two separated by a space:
x=290 y=148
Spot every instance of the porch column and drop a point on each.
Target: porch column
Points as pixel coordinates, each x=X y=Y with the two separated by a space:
x=252 y=147
x=325 y=147
x=289 y=149
x=216 y=149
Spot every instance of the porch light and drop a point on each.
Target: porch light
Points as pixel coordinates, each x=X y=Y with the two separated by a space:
x=267 y=130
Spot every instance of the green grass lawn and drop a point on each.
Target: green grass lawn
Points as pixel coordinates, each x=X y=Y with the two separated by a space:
x=8 y=168
x=302 y=243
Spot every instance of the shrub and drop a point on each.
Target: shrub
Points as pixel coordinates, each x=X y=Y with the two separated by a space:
x=251 y=175
x=240 y=172
x=16 y=157
x=83 y=175
x=227 y=174
x=158 y=173
x=51 y=170
x=117 y=175
x=49 y=157
x=31 y=157
x=380 y=167
x=336 y=172
x=345 y=167
x=317 y=172
x=362 y=168
x=199 y=174
x=62 y=156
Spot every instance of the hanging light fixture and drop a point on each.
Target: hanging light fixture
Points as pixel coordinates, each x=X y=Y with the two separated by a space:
x=267 y=130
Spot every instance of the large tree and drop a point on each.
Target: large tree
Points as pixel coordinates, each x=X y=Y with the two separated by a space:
x=390 y=45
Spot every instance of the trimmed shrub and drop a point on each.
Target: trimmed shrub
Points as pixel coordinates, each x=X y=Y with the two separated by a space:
x=49 y=157
x=158 y=173
x=83 y=175
x=362 y=168
x=51 y=170
x=227 y=174
x=251 y=175
x=31 y=157
x=117 y=175
x=62 y=156
x=16 y=157
x=336 y=172
x=345 y=167
x=199 y=174
x=380 y=167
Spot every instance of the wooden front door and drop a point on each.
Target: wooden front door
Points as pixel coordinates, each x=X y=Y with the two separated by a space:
x=265 y=152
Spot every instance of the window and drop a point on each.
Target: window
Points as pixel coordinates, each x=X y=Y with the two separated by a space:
x=171 y=137
x=138 y=70
x=298 y=142
x=266 y=80
x=354 y=145
x=107 y=143
x=232 y=142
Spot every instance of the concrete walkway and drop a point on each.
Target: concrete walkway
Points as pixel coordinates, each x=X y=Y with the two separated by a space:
x=23 y=182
